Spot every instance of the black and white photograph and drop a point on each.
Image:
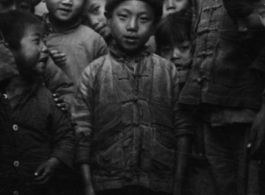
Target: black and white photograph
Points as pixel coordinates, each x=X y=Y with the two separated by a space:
x=132 y=97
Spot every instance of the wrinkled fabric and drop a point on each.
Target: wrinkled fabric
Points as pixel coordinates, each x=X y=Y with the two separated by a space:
x=32 y=131
x=221 y=71
x=81 y=45
x=128 y=120
x=225 y=148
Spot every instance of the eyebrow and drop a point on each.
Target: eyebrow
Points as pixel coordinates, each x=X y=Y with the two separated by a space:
x=128 y=10
x=93 y=6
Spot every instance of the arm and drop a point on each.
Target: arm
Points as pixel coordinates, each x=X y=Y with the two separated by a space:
x=86 y=176
x=257 y=135
x=82 y=115
x=58 y=82
x=63 y=145
x=183 y=149
x=182 y=133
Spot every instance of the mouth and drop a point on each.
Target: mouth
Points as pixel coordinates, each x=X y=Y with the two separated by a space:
x=65 y=10
x=44 y=59
x=100 y=28
x=131 y=39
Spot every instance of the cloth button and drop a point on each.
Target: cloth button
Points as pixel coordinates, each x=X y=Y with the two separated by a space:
x=16 y=193
x=199 y=80
x=15 y=127
x=16 y=163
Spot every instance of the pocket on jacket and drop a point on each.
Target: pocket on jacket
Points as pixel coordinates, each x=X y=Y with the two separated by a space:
x=163 y=157
x=108 y=159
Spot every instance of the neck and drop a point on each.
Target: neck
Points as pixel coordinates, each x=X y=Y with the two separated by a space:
x=16 y=86
x=62 y=26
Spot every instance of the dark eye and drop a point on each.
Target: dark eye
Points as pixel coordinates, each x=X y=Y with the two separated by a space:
x=122 y=16
x=23 y=7
x=95 y=10
x=37 y=41
x=144 y=19
x=184 y=48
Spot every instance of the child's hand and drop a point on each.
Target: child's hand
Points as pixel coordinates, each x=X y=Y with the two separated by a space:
x=58 y=57
x=45 y=171
x=60 y=103
x=89 y=191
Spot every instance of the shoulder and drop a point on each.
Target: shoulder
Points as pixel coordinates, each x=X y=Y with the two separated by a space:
x=96 y=66
x=162 y=63
x=88 y=32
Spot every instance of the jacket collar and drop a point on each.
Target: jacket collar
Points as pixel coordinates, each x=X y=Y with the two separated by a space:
x=121 y=56
x=49 y=29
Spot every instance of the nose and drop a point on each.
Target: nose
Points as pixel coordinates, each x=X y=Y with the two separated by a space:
x=67 y=2
x=170 y=4
x=44 y=49
x=132 y=25
x=175 y=54
x=242 y=28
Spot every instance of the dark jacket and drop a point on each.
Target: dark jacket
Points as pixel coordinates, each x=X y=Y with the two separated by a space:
x=31 y=132
x=127 y=121
x=222 y=65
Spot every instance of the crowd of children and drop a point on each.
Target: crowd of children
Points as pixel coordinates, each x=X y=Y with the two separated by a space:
x=137 y=97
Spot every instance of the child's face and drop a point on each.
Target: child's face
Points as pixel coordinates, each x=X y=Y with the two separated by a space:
x=24 y=5
x=172 y=6
x=132 y=23
x=250 y=26
x=94 y=11
x=65 y=10
x=32 y=55
x=179 y=54
x=260 y=9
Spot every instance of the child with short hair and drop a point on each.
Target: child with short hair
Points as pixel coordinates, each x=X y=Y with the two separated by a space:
x=226 y=93
x=172 y=6
x=54 y=78
x=94 y=14
x=174 y=39
x=36 y=136
x=133 y=135
x=65 y=33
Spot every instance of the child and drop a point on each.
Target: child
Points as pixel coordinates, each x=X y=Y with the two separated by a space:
x=65 y=33
x=129 y=125
x=173 y=40
x=227 y=95
x=54 y=78
x=172 y=6
x=94 y=12
x=36 y=137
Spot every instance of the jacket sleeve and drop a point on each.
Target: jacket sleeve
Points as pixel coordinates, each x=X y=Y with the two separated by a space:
x=82 y=115
x=64 y=141
x=58 y=82
x=182 y=116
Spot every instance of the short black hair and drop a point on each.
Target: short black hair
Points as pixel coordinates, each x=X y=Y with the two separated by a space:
x=7 y=3
x=239 y=8
x=13 y=25
x=157 y=5
x=176 y=27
